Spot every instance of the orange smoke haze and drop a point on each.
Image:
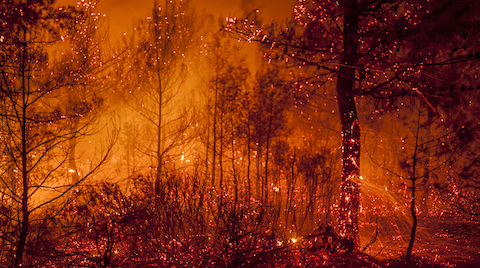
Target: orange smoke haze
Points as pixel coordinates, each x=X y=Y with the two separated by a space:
x=121 y=13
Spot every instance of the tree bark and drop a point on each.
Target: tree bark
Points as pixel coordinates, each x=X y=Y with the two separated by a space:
x=349 y=190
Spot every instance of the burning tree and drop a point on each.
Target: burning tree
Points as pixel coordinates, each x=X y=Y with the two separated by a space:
x=375 y=49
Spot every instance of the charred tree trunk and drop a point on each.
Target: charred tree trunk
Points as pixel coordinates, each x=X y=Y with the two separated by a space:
x=349 y=190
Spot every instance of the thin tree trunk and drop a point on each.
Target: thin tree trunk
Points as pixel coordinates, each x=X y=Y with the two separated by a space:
x=215 y=121
x=259 y=170
x=248 y=153
x=23 y=123
x=220 y=155
x=267 y=151
x=408 y=255
x=290 y=177
x=349 y=191
x=159 y=137
x=208 y=144
x=159 y=57
x=235 y=182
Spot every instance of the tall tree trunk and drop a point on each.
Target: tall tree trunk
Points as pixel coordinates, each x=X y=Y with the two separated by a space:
x=207 y=144
x=159 y=137
x=159 y=57
x=249 y=182
x=158 y=178
x=220 y=154
x=235 y=181
x=259 y=170
x=349 y=190
x=269 y=130
x=22 y=241
x=215 y=119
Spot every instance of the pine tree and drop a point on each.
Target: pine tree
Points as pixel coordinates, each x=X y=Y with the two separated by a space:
x=161 y=45
x=375 y=49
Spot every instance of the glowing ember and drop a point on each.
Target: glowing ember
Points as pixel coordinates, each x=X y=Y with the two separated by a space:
x=344 y=134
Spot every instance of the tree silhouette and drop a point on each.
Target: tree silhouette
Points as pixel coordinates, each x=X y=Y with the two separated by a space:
x=377 y=49
x=226 y=85
x=161 y=45
x=269 y=103
x=35 y=132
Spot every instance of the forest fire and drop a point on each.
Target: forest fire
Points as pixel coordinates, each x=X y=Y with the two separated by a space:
x=342 y=136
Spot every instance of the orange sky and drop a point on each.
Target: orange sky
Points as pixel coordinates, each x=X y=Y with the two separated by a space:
x=122 y=12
